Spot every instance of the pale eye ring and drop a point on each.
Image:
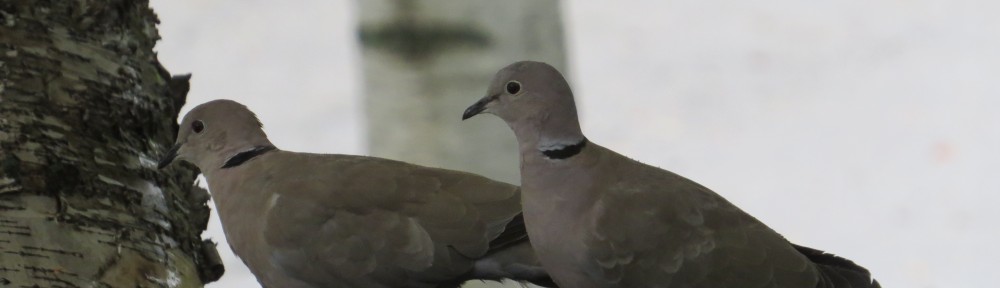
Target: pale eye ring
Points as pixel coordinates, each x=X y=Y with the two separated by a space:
x=513 y=87
x=197 y=126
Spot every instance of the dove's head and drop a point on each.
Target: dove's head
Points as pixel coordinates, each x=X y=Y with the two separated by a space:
x=535 y=101
x=215 y=133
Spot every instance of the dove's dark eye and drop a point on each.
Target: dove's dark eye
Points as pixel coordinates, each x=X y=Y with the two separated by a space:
x=513 y=87
x=197 y=126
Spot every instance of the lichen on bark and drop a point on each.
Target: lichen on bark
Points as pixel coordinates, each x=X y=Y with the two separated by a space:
x=85 y=108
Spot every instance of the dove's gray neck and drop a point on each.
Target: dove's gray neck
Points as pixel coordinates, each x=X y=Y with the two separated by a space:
x=565 y=151
x=239 y=149
x=551 y=137
x=244 y=156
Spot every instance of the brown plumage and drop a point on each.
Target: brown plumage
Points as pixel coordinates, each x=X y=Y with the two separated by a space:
x=599 y=219
x=301 y=220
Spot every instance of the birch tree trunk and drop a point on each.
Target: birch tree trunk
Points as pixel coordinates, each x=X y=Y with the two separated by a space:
x=425 y=61
x=85 y=109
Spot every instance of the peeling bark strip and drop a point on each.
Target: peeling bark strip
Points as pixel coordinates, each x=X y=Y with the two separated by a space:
x=85 y=109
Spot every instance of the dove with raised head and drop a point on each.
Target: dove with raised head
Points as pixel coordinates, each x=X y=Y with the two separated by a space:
x=599 y=219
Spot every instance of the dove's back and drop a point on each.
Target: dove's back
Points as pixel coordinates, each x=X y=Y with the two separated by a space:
x=355 y=221
x=642 y=226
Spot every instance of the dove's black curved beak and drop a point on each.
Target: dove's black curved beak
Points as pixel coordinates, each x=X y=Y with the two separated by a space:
x=168 y=157
x=478 y=107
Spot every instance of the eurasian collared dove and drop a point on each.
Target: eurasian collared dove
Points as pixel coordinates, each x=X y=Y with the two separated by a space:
x=599 y=219
x=301 y=220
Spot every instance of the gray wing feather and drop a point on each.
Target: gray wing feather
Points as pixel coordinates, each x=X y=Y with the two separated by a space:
x=376 y=220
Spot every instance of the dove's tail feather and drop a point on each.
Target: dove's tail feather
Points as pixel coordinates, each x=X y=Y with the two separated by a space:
x=511 y=257
x=513 y=234
x=837 y=271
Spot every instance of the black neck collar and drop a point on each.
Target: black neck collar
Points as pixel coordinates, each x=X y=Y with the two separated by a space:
x=565 y=152
x=245 y=156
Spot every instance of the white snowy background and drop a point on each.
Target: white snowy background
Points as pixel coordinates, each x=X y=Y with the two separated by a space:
x=869 y=129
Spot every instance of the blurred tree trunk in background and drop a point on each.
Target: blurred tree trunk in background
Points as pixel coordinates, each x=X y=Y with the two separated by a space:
x=85 y=109
x=425 y=61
